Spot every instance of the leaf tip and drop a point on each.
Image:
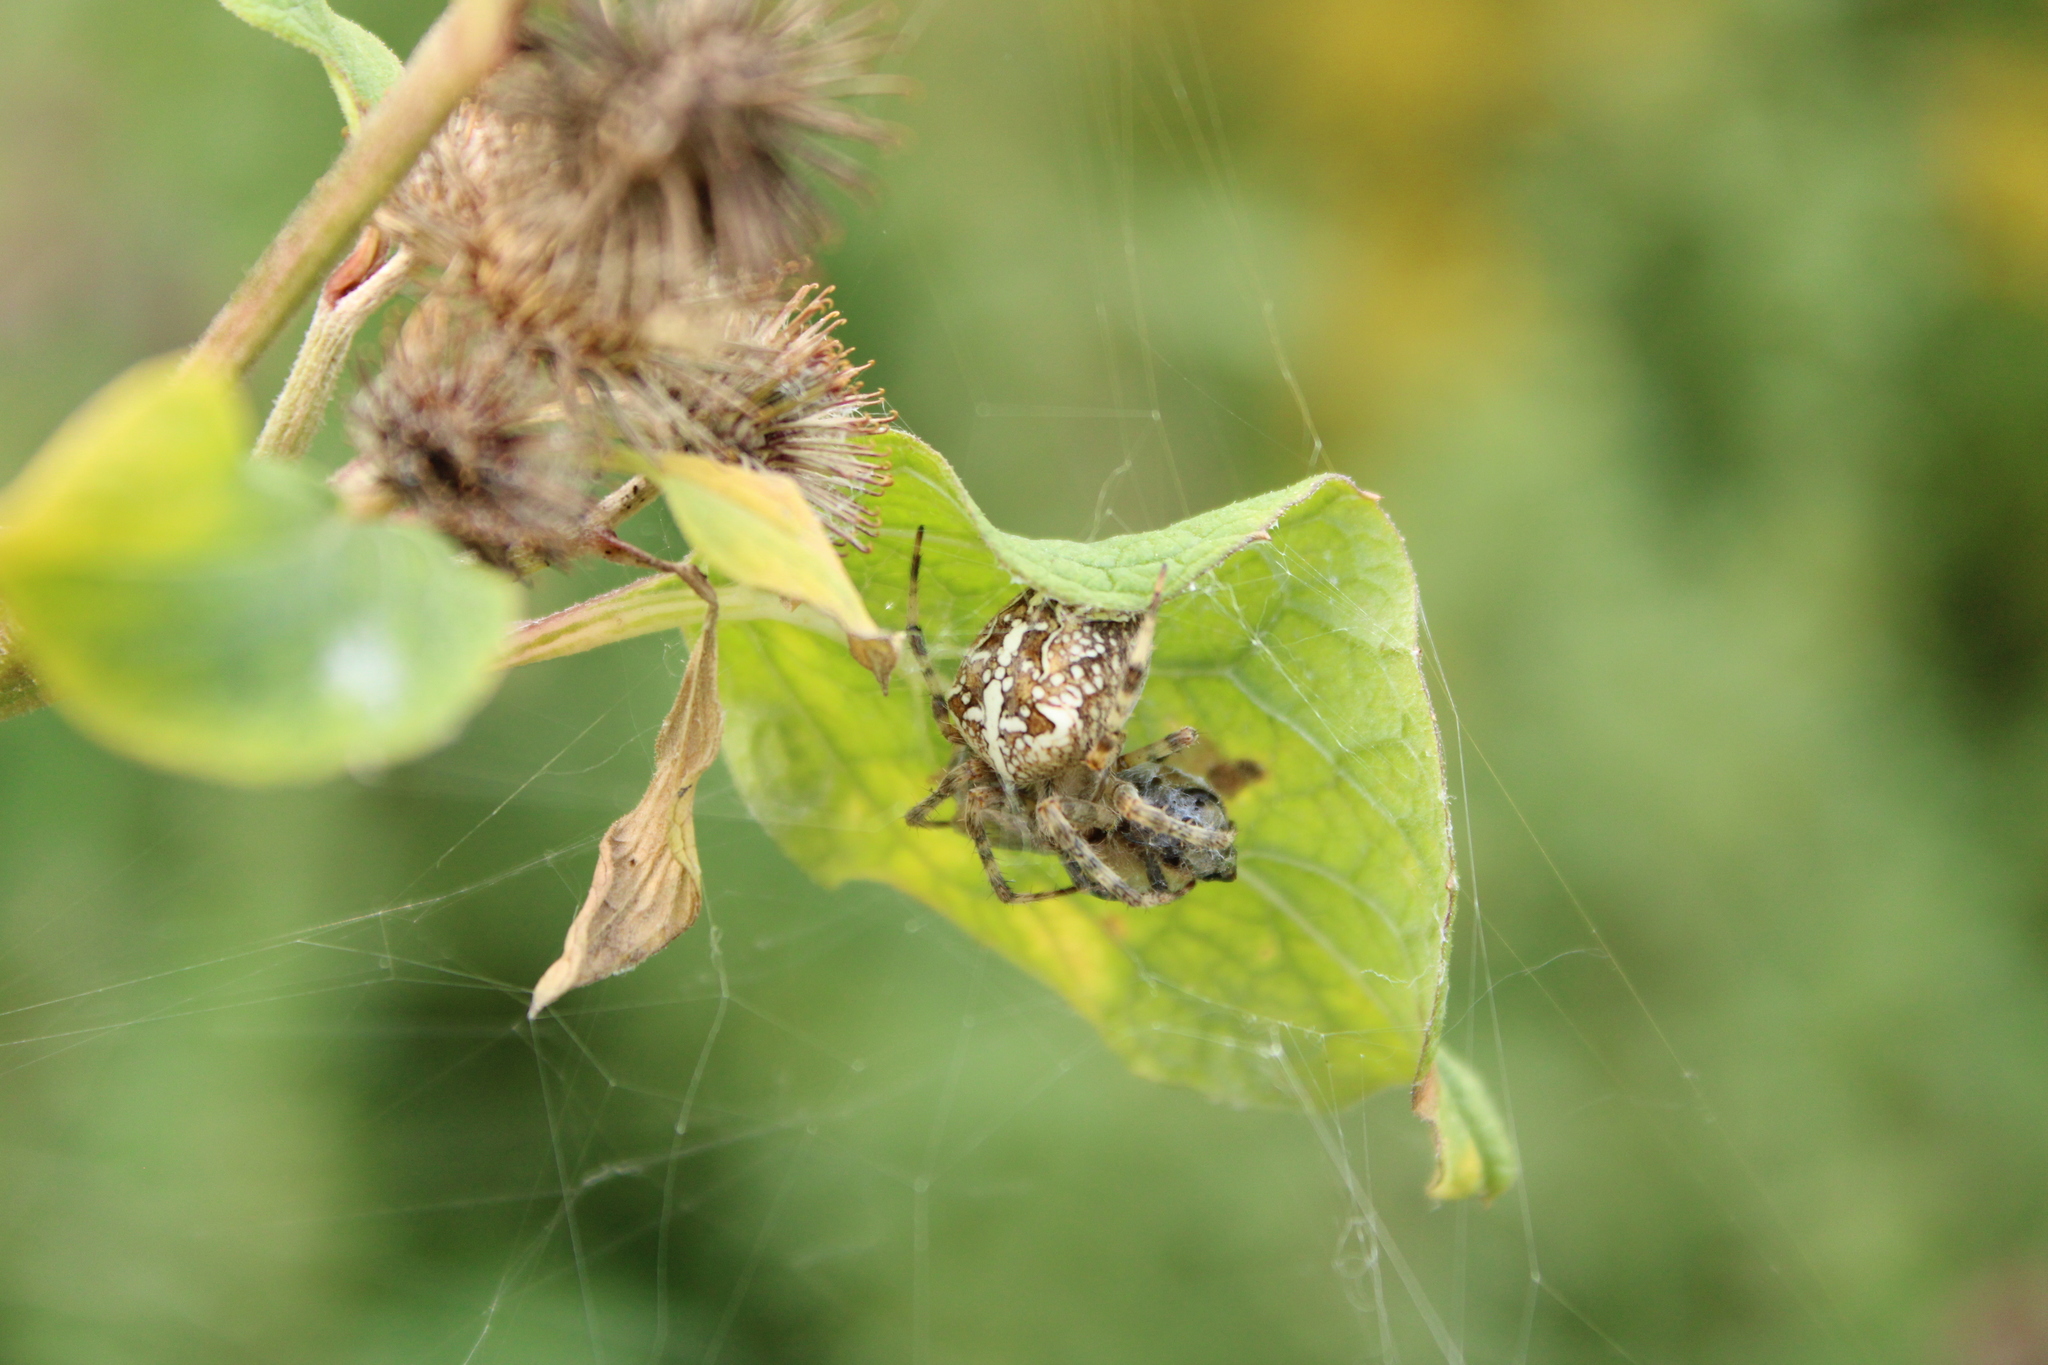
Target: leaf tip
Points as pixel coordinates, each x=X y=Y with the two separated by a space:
x=1475 y=1156
x=877 y=655
x=556 y=982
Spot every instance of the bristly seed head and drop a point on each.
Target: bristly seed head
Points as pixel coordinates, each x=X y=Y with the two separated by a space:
x=439 y=209
x=607 y=224
x=454 y=430
x=649 y=158
x=781 y=395
x=702 y=113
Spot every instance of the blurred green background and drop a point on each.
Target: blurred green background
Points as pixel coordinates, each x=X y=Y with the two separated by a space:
x=1701 y=350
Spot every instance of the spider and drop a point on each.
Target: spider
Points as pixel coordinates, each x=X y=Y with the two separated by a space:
x=1035 y=717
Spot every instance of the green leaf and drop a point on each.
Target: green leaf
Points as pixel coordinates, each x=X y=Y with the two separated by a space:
x=217 y=618
x=359 y=65
x=1316 y=977
x=1474 y=1154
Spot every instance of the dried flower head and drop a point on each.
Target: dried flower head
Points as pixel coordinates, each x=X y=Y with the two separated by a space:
x=460 y=428
x=473 y=210
x=664 y=151
x=439 y=209
x=781 y=395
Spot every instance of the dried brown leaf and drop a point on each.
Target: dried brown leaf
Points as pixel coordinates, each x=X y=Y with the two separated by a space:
x=648 y=887
x=876 y=656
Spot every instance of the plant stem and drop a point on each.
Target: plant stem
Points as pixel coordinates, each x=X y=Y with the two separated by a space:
x=648 y=607
x=301 y=406
x=622 y=502
x=466 y=43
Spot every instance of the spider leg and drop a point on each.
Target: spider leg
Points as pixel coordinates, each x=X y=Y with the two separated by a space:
x=950 y=784
x=1101 y=754
x=1160 y=748
x=1124 y=797
x=1155 y=871
x=968 y=780
x=1088 y=865
x=919 y=815
x=971 y=809
x=934 y=690
x=1140 y=657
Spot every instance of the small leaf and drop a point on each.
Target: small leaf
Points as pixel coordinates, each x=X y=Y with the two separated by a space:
x=648 y=887
x=359 y=65
x=217 y=618
x=1293 y=645
x=755 y=528
x=1474 y=1155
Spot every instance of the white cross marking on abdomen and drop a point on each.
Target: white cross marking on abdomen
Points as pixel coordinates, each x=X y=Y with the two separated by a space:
x=992 y=728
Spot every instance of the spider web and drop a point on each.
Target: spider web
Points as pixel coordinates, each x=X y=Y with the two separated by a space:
x=821 y=1126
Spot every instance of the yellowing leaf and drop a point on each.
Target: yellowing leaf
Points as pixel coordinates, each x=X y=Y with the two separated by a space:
x=218 y=618
x=1290 y=641
x=194 y=425
x=648 y=887
x=755 y=528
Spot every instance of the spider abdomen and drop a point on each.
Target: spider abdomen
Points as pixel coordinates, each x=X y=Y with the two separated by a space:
x=1036 y=714
x=1043 y=686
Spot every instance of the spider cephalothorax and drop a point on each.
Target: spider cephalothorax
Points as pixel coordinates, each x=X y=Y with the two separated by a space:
x=1036 y=716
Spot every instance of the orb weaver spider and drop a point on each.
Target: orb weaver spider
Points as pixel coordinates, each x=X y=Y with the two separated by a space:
x=1036 y=717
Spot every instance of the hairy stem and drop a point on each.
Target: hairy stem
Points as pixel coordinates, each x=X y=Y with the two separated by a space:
x=648 y=607
x=622 y=502
x=301 y=406
x=466 y=43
